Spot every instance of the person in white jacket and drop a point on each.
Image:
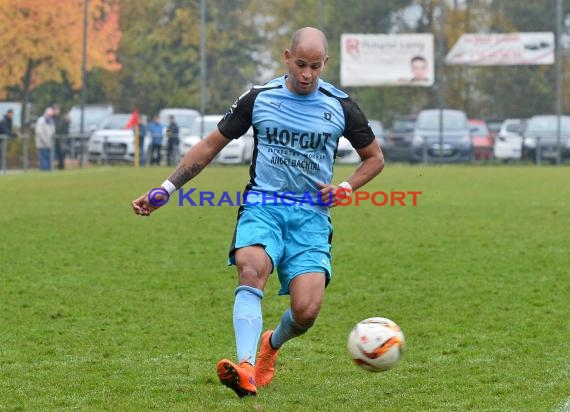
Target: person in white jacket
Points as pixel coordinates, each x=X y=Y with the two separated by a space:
x=45 y=129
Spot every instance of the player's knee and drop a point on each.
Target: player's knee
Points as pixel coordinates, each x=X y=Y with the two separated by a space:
x=307 y=315
x=251 y=275
x=253 y=266
x=248 y=275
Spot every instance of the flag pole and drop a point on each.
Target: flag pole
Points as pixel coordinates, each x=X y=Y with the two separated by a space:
x=137 y=155
x=133 y=123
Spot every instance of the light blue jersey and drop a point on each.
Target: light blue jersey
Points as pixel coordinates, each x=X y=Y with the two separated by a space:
x=296 y=138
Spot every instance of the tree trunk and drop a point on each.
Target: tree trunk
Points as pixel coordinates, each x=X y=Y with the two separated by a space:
x=26 y=84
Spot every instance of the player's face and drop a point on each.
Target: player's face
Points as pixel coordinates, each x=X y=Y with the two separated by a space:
x=305 y=67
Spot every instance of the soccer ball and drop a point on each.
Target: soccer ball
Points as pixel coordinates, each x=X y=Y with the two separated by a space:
x=376 y=344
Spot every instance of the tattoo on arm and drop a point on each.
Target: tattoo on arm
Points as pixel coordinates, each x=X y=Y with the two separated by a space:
x=183 y=174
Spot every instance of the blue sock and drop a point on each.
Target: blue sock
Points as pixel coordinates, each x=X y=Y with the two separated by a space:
x=287 y=329
x=247 y=322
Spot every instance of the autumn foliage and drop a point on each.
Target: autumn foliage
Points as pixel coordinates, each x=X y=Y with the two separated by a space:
x=42 y=40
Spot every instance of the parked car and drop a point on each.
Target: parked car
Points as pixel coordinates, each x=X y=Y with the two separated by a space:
x=210 y=122
x=93 y=115
x=509 y=141
x=184 y=117
x=494 y=126
x=238 y=151
x=481 y=139
x=455 y=143
x=399 y=139
x=378 y=129
x=113 y=142
x=540 y=141
x=346 y=154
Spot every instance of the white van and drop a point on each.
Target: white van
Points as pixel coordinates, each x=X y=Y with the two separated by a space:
x=93 y=115
x=184 y=118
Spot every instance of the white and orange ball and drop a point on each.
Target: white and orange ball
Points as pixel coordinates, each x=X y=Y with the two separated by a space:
x=376 y=344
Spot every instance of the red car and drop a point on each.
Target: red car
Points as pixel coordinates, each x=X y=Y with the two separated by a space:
x=482 y=139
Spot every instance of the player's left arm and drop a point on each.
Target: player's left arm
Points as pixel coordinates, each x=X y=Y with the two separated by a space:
x=372 y=164
x=360 y=135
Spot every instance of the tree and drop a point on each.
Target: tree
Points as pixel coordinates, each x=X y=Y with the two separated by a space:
x=42 y=42
x=160 y=54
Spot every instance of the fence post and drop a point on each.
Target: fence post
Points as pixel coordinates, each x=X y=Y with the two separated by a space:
x=81 y=150
x=25 y=154
x=3 y=148
x=52 y=152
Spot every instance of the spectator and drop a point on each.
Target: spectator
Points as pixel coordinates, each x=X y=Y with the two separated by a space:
x=6 y=124
x=61 y=134
x=155 y=129
x=172 y=133
x=45 y=130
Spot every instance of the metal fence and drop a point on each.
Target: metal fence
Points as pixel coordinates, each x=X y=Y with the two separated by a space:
x=19 y=153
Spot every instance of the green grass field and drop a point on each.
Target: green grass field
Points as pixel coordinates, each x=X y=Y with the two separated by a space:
x=104 y=310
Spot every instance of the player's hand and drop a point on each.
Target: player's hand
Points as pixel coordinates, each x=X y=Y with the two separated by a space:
x=332 y=195
x=143 y=205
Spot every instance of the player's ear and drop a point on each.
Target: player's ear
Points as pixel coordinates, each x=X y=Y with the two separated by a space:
x=287 y=55
x=325 y=61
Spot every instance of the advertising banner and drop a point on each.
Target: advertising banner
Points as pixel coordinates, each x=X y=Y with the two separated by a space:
x=387 y=60
x=510 y=49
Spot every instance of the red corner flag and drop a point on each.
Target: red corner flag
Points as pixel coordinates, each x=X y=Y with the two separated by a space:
x=133 y=120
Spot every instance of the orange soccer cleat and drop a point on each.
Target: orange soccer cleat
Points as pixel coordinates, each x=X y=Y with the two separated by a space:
x=240 y=377
x=265 y=365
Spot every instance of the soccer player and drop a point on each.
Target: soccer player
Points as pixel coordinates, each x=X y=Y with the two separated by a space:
x=297 y=120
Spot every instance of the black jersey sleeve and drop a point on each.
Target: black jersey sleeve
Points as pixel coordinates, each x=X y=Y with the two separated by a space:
x=356 y=128
x=237 y=119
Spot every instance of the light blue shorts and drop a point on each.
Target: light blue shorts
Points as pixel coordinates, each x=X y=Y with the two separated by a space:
x=296 y=239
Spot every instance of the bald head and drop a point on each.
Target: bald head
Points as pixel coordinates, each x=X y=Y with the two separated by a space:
x=309 y=38
x=306 y=60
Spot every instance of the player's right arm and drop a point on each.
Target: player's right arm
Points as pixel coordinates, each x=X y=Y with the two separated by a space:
x=198 y=157
x=193 y=162
x=234 y=124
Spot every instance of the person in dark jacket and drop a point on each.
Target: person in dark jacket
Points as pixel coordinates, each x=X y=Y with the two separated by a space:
x=172 y=133
x=6 y=124
x=61 y=133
